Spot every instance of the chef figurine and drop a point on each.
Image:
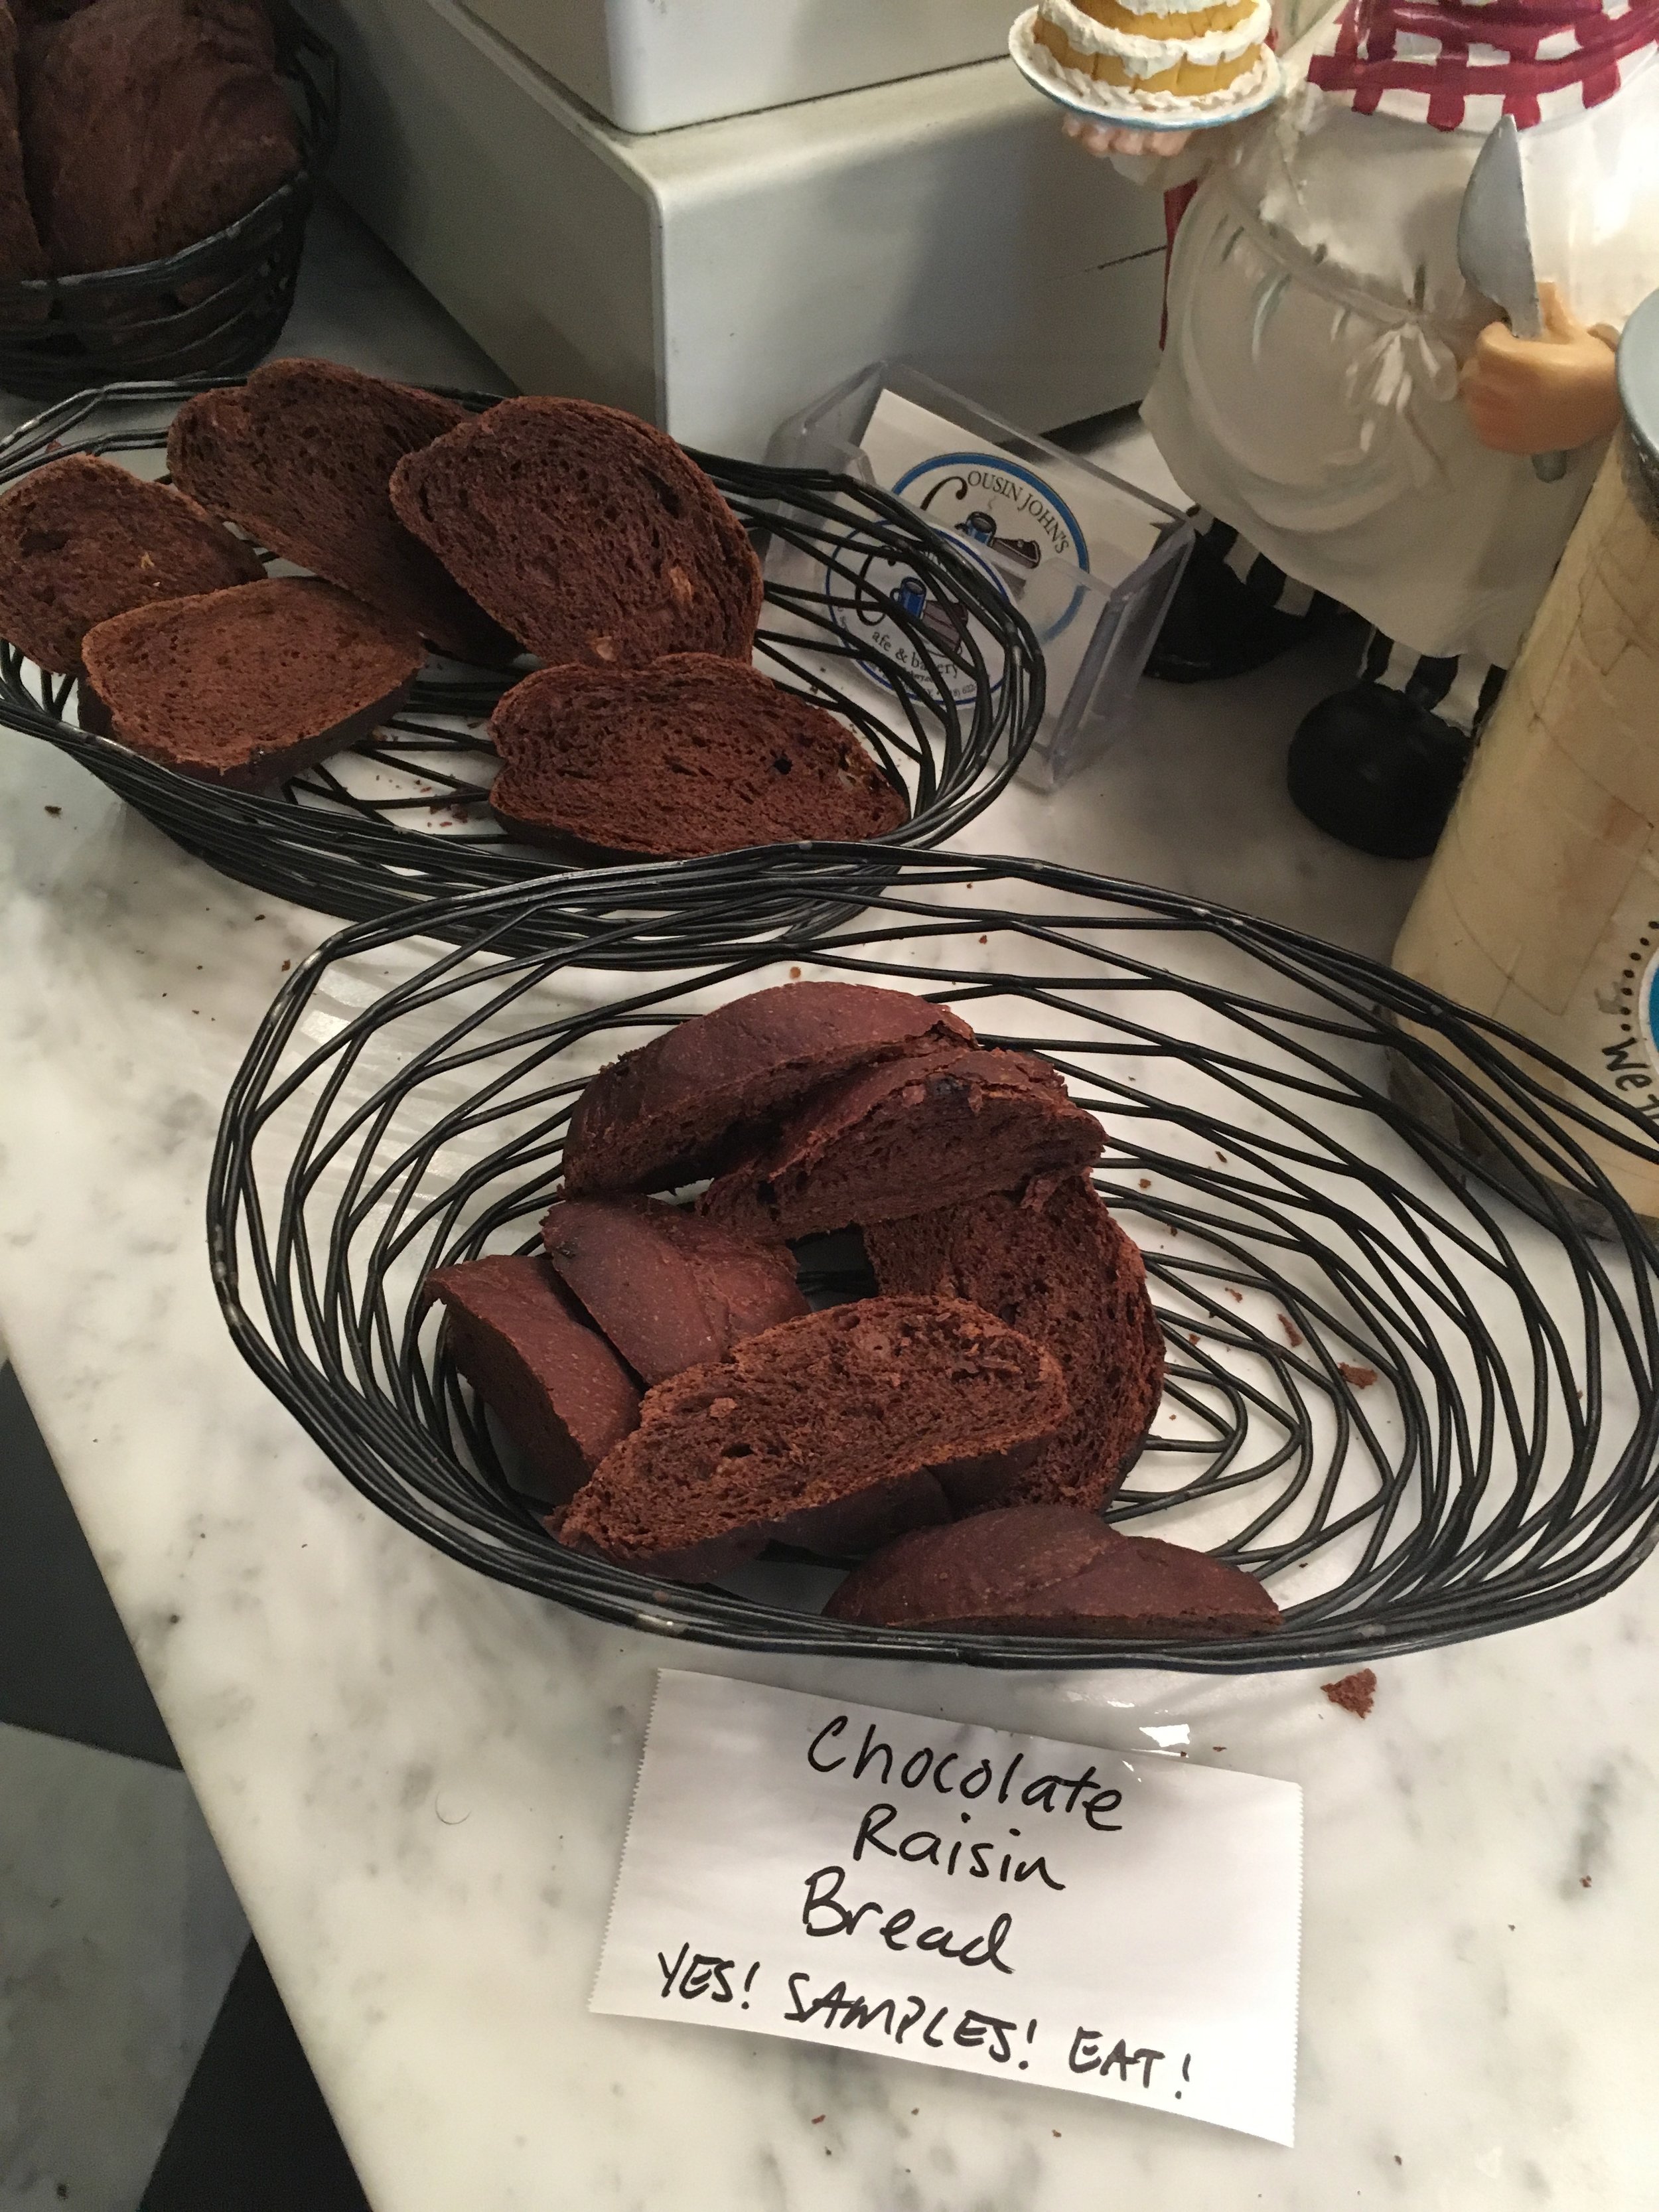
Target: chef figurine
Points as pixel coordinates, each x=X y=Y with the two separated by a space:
x=1352 y=423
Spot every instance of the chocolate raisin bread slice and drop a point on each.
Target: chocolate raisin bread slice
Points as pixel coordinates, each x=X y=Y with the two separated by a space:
x=82 y=539
x=302 y=456
x=1050 y=1570
x=150 y=124
x=940 y=1129
x=555 y=1385
x=693 y=754
x=671 y=1291
x=1050 y=1261
x=20 y=252
x=831 y=1433
x=695 y=1099
x=249 y=686
x=586 y=533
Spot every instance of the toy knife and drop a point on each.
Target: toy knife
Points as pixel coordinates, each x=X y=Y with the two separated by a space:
x=1494 y=249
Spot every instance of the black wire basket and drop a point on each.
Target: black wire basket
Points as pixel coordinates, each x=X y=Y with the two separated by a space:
x=1423 y=1408
x=869 y=612
x=212 y=310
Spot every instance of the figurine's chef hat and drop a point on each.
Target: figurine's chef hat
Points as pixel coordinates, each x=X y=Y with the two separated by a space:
x=1461 y=64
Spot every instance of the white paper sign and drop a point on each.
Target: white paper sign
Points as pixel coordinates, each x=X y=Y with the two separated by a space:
x=999 y=1904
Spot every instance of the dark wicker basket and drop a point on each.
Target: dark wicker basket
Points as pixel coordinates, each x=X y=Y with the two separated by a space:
x=1422 y=1409
x=213 y=310
x=404 y=817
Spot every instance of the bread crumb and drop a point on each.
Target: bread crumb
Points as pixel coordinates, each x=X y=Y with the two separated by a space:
x=985 y=940
x=1292 y=1331
x=54 y=809
x=1357 y=1378
x=1192 y=1336
x=818 y=2122
x=286 y=964
x=1355 y=1693
x=1584 y=1881
x=1237 y=1297
x=795 y=975
x=1145 y=1182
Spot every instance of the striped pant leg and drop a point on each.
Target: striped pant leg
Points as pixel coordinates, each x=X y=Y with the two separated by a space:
x=1263 y=579
x=1462 y=689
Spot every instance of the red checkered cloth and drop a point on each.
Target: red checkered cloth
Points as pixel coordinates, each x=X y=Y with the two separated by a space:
x=1462 y=64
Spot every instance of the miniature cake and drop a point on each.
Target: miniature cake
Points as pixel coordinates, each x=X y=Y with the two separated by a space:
x=1154 y=54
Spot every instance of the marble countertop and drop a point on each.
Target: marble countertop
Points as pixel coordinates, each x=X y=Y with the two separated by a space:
x=419 y=1779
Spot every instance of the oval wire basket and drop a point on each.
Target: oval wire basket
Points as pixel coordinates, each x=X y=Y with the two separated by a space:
x=1423 y=1408
x=214 y=309
x=869 y=611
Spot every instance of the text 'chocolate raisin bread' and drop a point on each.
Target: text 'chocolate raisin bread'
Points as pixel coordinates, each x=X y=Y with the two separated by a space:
x=555 y=1385
x=302 y=456
x=1050 y=1570
x=586 y=533
x=693 y=755
x=938 y=1129
x=1050 y=1261
x=150 y=124
x=248 y=686
x=82 y=539
x=830 y=1433
x=692 y=1101
x=671 y=1291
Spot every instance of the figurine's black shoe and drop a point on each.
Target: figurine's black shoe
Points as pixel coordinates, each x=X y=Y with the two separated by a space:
x=1372 y=767
x=1217 y=626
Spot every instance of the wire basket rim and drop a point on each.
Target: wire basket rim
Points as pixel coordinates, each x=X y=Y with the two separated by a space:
x=367 y=1437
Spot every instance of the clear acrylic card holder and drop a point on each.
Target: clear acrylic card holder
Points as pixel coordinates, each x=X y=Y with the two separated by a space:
x=1090 y=561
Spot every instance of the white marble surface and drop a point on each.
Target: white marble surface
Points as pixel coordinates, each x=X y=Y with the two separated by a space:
x=419 y=1779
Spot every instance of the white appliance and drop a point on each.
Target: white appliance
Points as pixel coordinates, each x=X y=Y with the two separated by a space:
x=720 y=277
x=657 y=64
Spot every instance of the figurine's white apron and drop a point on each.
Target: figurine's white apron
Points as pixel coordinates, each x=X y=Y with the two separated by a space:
x=1308 y=393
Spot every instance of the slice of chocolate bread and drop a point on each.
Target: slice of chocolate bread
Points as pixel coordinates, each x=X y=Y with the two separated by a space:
x=249 y=686
x=20 y=252
x=670 y=1291
x=693 y=754
x=588 y=534
x=1050 y=1570
x=150 y=124
x=302 y=456
x=1050 y=1261
x=554 y=1383
x=694 y=1100
x=82 y=539
x=831 y=1433
x=940 y=1129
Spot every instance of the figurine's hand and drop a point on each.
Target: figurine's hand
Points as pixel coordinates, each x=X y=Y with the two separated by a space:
x=1548 y=395
x=1105 y=138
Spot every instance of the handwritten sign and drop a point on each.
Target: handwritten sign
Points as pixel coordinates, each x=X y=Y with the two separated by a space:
x=806 y=1867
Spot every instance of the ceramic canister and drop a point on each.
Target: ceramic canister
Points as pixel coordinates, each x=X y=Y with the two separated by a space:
x=1542 y=906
